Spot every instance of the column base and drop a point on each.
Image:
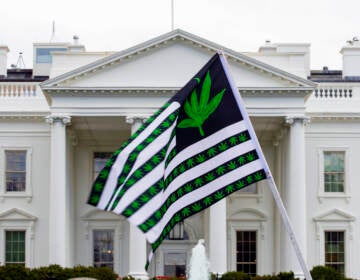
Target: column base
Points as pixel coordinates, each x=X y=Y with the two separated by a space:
x=299 y=275
x=139 y=275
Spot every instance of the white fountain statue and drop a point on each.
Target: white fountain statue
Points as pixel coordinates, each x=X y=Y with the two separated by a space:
x=199 y=264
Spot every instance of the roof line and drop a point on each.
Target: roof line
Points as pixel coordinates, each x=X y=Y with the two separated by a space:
x=172 y=35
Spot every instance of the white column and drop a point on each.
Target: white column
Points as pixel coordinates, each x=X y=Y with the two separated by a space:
x=218 y=238
x=295 y=198
x=137 y=241
x=58 y=224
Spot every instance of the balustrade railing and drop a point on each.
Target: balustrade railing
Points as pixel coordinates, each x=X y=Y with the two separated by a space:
x=16 y=90
x=333 y=92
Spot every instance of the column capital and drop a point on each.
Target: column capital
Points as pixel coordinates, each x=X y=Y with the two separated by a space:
x=63 y=119
x=290 y=120
x=136 y=118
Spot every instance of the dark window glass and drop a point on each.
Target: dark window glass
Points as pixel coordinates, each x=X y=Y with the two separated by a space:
x=15 y=173
x=15 y=247
x=103 y=248
x=100 y=159
x=335 y=250
x=334 y=171
x=175 y=264
x=178 y=232
x=246 y=252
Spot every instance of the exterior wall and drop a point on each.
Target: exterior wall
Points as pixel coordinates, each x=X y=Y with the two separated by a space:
x=343 y=135
x=34 y=136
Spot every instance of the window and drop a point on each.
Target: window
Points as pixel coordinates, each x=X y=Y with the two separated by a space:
x=15 y=247
x=334 y=171
x=246 y=251
x=178 y=232
x=103 y=248
x=100 y=159
x=15 y=174
x=335 y=250
x=43 y=55
x=252 y=189
x=174 y=264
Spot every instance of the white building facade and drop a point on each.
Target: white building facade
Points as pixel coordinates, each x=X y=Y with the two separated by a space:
x=61 y=121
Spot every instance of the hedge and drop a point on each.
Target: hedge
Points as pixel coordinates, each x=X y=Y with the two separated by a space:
x=56 y=272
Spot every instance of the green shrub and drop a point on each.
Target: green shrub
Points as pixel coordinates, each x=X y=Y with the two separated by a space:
x=325 y=273
x=56 y=272
x=235 y=275
x=286 y=275
x=14 y=272
x=266 y=277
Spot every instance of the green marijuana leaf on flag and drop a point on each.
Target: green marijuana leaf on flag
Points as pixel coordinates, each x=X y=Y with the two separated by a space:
x=199 y=112
x=193 y=152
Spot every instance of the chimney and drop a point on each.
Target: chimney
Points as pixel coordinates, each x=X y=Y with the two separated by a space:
x=351 y=59
x=75 y=46
x=3 y=60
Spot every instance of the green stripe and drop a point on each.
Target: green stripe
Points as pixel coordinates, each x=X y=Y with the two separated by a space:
x=205 y=202
x=198 y=183
x=99 y=183
x=142 y=199
x=142 y=170
x=207 y=154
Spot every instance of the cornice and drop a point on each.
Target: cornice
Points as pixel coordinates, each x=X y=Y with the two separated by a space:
x=23 y=116
x=167 y=90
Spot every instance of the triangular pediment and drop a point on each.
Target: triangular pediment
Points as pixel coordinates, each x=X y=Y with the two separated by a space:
x=96 y=215
x=16 y=214
x=248 y=214
x=168 y=62
x=334 y=215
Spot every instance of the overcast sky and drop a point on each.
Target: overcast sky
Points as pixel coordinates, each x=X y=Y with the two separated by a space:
x=242 y=25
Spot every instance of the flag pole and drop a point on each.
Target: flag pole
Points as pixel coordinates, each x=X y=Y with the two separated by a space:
x=172 y=15
x=270 y=178
x=288 y=225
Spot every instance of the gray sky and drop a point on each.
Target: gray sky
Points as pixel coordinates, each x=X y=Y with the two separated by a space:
x=243 y=25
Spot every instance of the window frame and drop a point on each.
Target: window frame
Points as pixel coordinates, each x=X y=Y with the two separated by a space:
x=322 y=194
x=256 y=252
x=93 y=243
x=18 y=220
x=93 y=162
x=49 y=50
x=258 y=195
x=335 y=220
x=15 y=263
x=28 y=193
x=344 y=251
x=100 y=220
x=248 y=219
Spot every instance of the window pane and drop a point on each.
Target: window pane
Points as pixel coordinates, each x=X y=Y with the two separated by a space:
x=15 y=247
x=252 y=189
x=15 y=174
x=246 y=252
x=103 y=254
x=175 y=264
x=43 y=55
x=335 y=250
x=334 y=171
x=100 y=159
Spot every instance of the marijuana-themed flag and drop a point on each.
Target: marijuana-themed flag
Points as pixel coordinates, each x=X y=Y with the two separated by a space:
x=197 y=149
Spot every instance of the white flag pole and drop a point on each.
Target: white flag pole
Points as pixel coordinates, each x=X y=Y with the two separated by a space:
x=172 y=15
x=270 y=178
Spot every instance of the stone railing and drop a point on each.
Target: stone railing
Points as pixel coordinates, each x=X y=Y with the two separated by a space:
x=17 y=89
x=333 y=92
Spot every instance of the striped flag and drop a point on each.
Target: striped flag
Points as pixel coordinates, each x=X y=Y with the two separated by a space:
x=197 y=149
